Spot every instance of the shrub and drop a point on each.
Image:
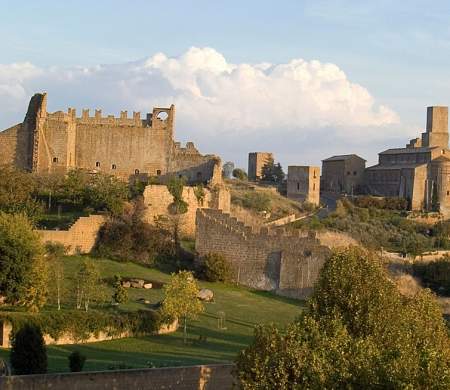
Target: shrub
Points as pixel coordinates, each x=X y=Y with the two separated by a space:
x=28 y=352
x=258 y=201
x=76 y=361
x=120 y=293
x=217 y=268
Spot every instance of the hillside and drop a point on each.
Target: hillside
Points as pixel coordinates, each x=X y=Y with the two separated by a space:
x=243 y=310
x=256 y=203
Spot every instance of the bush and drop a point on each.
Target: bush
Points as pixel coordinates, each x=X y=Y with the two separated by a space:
x=28 y=352
x=120 y=292
x=217 y=268
x=435 y=274
x=127 y=238
x=258 y=201
x=76 y=361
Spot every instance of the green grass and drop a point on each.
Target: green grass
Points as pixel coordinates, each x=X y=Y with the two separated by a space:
x=244 y=308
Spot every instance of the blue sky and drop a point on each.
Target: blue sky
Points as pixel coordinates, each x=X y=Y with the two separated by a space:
x=398 y=51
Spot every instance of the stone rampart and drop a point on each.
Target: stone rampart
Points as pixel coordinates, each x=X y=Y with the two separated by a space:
x=263 y=258
x=81 y=236
x=206 y=377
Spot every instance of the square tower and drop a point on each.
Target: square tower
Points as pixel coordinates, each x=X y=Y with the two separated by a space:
x=437 y=127
x=303 y=184
x=256 y=161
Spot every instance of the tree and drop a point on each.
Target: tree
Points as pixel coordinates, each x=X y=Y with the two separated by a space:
x=240 y=174
x=23 y=270
x=76 y=361
x=17 y=193
x=120 y=292
x=28 y=352
x=272 y=172
x=177 y=208
x=180 y=299
x=56 y=270
x=106 y=192
x=359 y=332
x=227 y=169
x=89 y=285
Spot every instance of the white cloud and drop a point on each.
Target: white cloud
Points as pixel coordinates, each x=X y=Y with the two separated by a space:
x=212 y=95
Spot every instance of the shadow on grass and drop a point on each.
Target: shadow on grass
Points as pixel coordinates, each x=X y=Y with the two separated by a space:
x=270 y=295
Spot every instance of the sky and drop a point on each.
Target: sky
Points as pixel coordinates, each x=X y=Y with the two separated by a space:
x=302 y=79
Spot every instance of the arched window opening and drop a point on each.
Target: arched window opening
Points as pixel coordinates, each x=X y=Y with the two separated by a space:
x=55 y=159
x=113 y=166
x=97 y=164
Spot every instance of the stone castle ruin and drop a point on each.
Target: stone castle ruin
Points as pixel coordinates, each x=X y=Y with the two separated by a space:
x=263 y=258
x=125 y=147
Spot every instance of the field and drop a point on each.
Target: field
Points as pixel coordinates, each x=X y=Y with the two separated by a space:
x=243 y=310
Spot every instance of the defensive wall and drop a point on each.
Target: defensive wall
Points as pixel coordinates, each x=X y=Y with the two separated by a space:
x=205 y=377
x=158 y=199
x=81 y=236
x=125 y=147
x=264 y=258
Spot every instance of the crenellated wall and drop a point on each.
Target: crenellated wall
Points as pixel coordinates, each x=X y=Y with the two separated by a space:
x=264 y=258
x=120 y=146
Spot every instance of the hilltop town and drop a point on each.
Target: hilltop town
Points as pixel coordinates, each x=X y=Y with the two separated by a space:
x=108 y=216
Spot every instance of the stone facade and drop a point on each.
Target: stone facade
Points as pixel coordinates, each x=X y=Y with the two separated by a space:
x=206 y=377
x=263 y=258
x=303 y=184
x=81 y=236
x=256 y=161
x=342 y=174
x=157 y=199
x=125 y=147
x=420 y=172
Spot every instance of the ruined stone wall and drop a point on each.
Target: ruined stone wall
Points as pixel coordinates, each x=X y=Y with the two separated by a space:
x=157 y=199
x=265 y=258
x=205 y=377
x=80 y=237
x=8 y=142
x=256 y=162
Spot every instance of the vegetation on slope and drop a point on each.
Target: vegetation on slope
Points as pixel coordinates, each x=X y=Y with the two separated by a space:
x=378 y=228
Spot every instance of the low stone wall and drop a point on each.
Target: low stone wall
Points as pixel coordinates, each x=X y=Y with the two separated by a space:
x=80 y=237
x=67 y=338
x=206 y=377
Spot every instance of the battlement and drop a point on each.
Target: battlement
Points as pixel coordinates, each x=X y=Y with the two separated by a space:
x=232 y=224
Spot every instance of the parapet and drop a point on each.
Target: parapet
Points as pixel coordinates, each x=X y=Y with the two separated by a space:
x=110 y=120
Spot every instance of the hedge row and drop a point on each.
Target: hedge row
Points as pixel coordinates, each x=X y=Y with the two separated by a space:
x=81 y=324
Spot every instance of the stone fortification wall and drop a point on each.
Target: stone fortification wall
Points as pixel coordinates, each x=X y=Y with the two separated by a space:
x=207 y=377
x=157 y=198
x=120 y=146
x=262 y=258
x=80 y=237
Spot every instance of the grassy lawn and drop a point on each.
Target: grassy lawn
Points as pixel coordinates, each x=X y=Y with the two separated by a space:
x=243 y=310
